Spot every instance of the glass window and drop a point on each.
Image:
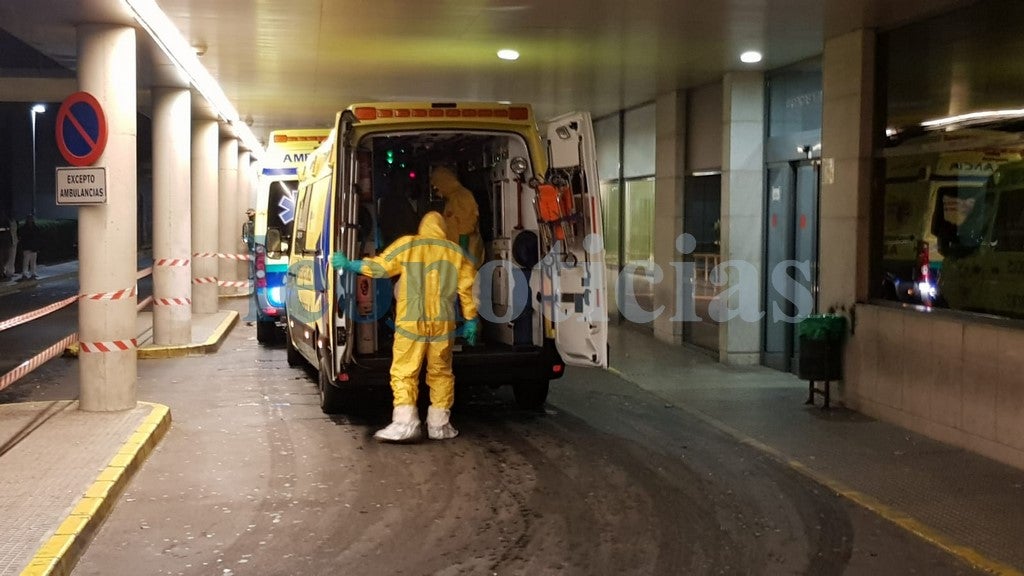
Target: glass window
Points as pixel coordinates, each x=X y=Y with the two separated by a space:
x=952 y=197
x=317 y=207
x=606 y=136
x=281 y=207
x=610 y=208
x=640 y=221
x=636 y=287
x=794 y=97
x=945 y=216
x=639 y=137
x=610 y=218
x=1008 y=227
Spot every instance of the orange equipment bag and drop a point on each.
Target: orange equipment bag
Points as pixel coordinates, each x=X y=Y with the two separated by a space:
x=555 y=206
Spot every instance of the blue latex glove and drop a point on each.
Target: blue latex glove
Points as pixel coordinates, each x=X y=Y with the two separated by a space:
x=338 y=260
x=470 y=330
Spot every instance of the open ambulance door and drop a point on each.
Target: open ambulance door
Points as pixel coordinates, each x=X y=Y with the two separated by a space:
x=346 y=209
x=574 y=270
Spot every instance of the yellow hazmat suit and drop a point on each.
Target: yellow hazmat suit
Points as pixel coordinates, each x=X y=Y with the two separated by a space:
x=431 y=271
x=461 y=213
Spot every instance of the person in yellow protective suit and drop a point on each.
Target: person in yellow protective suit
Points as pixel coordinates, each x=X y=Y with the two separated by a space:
x=461 y=213
x=431 y=271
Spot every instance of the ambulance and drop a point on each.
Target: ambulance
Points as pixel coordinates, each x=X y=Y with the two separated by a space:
x=926 y=195
x=277 y=182
x=987 y=272
x=542 y=296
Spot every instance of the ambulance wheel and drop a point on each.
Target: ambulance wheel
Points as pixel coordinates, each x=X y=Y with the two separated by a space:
x=266 y=332
x=295 y=359
x=530 y=395
x=330 y=395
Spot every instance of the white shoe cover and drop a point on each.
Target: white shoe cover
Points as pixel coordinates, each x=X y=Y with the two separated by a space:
x=404 y=427
x=438 y=425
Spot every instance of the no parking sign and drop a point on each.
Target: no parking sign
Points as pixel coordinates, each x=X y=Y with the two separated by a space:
x=81 y=129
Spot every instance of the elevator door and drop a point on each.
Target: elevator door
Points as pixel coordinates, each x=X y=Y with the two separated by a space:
x=791 y=272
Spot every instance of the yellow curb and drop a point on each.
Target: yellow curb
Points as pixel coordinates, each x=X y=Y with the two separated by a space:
x=233 y=296
x=60 y=553
x=72 y=525
x=211 y=345
x=218 y=335
x=42 y=566
x=109 y=474
x=157 y=352
x=901 y=519
x=87 y=507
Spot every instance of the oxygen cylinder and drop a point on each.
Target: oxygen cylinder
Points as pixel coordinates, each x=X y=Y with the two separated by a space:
x=366 y=327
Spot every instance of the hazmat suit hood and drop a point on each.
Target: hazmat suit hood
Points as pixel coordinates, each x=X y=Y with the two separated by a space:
x=445 y=181
x=432 y=226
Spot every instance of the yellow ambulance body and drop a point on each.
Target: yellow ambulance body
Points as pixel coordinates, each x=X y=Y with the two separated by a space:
x=542 y=296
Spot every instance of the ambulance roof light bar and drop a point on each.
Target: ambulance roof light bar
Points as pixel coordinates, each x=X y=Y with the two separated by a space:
x=183 y=55
x=441 y=110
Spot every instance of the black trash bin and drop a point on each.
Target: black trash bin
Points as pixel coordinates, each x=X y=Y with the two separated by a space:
x=821 y=352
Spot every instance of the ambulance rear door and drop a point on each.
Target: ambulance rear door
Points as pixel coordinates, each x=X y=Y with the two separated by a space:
x=576 y=268
x=346 y=226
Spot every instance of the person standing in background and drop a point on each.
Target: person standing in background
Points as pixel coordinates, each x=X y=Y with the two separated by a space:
x=461 y=213
x=5 y=244
x=7 y=262
x=28 y=236
x=249 y=239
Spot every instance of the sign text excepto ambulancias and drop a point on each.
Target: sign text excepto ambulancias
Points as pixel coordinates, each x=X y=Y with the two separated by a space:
x=81 y=186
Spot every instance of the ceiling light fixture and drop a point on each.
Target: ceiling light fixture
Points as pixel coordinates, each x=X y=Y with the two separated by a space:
x=974 y=117
x=508 y=54
x=750 y=57
x=171 y=42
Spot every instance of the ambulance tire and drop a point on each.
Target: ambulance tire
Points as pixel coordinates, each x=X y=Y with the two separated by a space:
x=531 y=395
x=266 y=332
x=330 y=395
x=295 y=358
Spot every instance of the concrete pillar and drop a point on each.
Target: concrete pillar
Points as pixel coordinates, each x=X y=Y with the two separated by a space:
x=847 y=125
x=205 y=206
x=244 y=202
x=172 y=208
x=229 y=216
x=670 y=155
x=107 y=251
x=742 y=232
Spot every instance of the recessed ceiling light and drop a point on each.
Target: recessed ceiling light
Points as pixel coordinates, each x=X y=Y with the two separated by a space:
x=508 y=54
x=750 y=57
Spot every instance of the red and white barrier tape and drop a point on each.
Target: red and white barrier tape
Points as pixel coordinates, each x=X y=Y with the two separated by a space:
x=111 y=346
x=57 y=349
x=19 y=320
x=29 y=365
x=220 y=255
x=143 y=273
x=207 y=280
x=172 y=262
x=233 y=284
x=117 y=295
x=172 y=301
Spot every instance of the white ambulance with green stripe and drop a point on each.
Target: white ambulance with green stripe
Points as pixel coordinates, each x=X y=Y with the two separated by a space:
x=277 y=183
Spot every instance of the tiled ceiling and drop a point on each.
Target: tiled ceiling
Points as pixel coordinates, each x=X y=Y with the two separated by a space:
x=294 y=63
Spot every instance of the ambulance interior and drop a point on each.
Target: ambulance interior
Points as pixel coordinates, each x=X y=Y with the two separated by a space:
x=393 y=181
